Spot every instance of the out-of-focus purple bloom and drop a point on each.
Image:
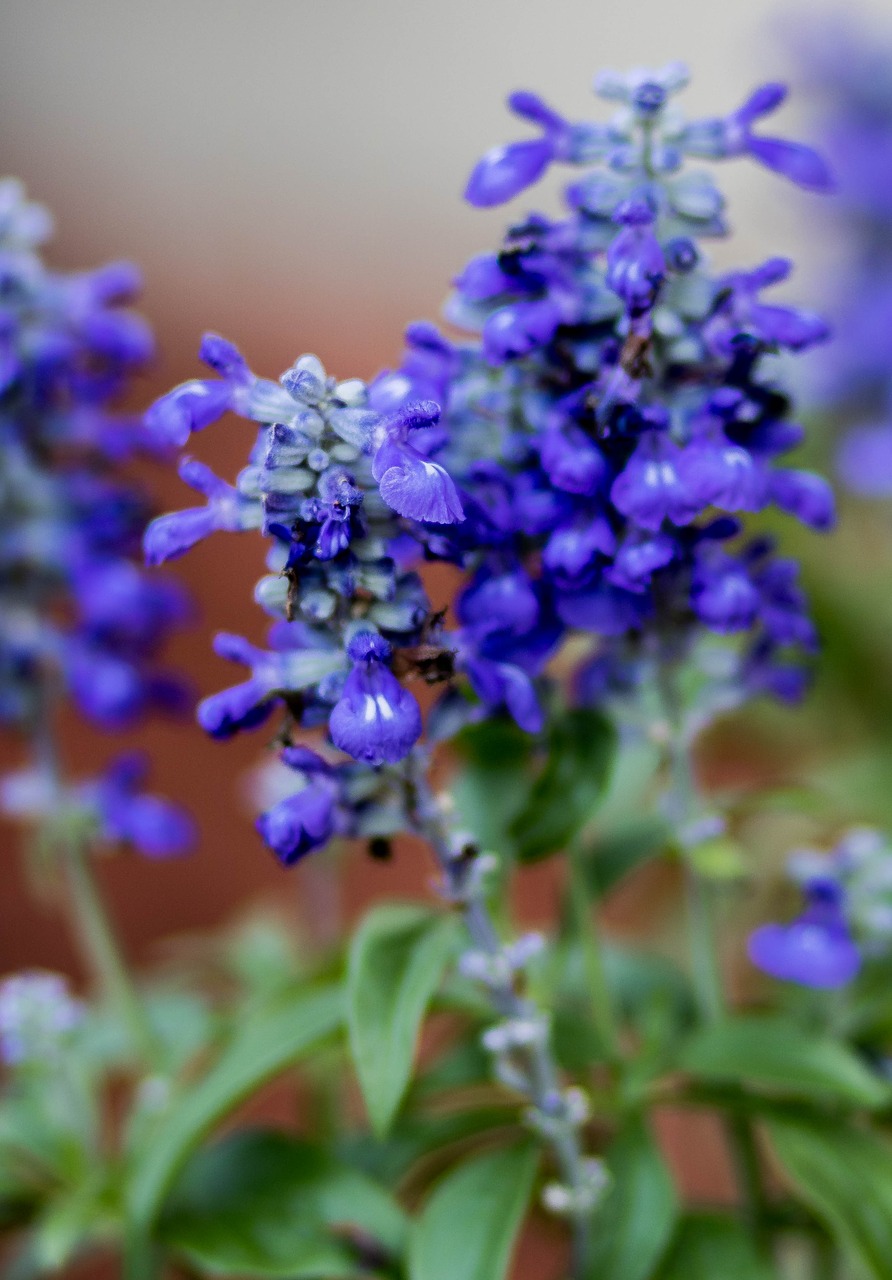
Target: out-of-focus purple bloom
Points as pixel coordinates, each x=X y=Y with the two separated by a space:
x=653 y=486
x=734 y=136
x=816 y=949
x=173 y=534
x=572 y=461
x=300 y=823
x=37 y=1015
x=514 y=331
x=127 y=815
x=722 y=593
x=742 y=312
x=865 y=460
x=503 y=684
x=273 y=673
x=506 y=171
x=636 y=267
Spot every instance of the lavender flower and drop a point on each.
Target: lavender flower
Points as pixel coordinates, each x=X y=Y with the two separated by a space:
x=847 y=919
x=37 y=1015
x=326 y=481
x=817 y=949
x=78 y=613
x=849 y=70
x=617 y=411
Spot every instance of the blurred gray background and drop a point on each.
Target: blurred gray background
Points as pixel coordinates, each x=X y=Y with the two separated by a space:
x=290 y=171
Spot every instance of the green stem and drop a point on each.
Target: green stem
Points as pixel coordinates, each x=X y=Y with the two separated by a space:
x=102 y=949
x=142 y=1259
x=542 y=1085
x=748 y=1174
x=826 y=1259
x=704 y=958
x=586 y=928
x=684 y=809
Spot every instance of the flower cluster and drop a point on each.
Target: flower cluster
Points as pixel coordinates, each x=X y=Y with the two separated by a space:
x=847 y=916
x=37 y=1015
x=342 y=494
x=851 y=73
x=77 y=612
x=619 y=410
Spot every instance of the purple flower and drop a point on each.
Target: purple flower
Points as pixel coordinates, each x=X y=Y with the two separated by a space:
x=640 y=555
x=499 y=602
x=722 y=594
x=119 y=603
x=410 y=483
x=636 y=267
x=806 y=496
x=190 y=407
x=153 y=826
x=743 y=312
x=506 y=171
x=572 y=550
x=723 y=474
x=655 y=484
x=499 y=684
x=865 y=460
x=514 y=331
x=290 y=668
x=799 y=163
x=300 y=823
x=572 y=461
x=375 y=719
x=816 y=949
x=194 y=405
x=173 y=534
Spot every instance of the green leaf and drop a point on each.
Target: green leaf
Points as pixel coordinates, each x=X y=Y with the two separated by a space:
x=627 y=832
x=396 y=963
x=566 y=793
x=710 y=1247
x=635 y=1221
x=845 y=1175
x=265 y=1045
x=419 y=1145
x=469 y=1225
x=496 y=756
x=69 y=1219
x=618 y=852
x=268 y=1204
x=769 y=1054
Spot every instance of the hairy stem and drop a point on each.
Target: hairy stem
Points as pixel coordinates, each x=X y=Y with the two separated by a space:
x=584 y=920
x=683 y=810
x=101 y=948
x=89 y=917
x=537 y=1073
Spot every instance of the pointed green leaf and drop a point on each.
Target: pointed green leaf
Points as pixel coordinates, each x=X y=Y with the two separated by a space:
x=845 y=1175
x=272 y=1205
x=635 y=1221
x=265 y=1045
x=566 y=793
x=469 y=1225
x=396 y=963
x=710 y=1247
x=769 y=1054
x=495 y=754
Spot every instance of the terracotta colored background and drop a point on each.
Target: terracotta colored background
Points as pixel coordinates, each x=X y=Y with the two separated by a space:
x=289 y=173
